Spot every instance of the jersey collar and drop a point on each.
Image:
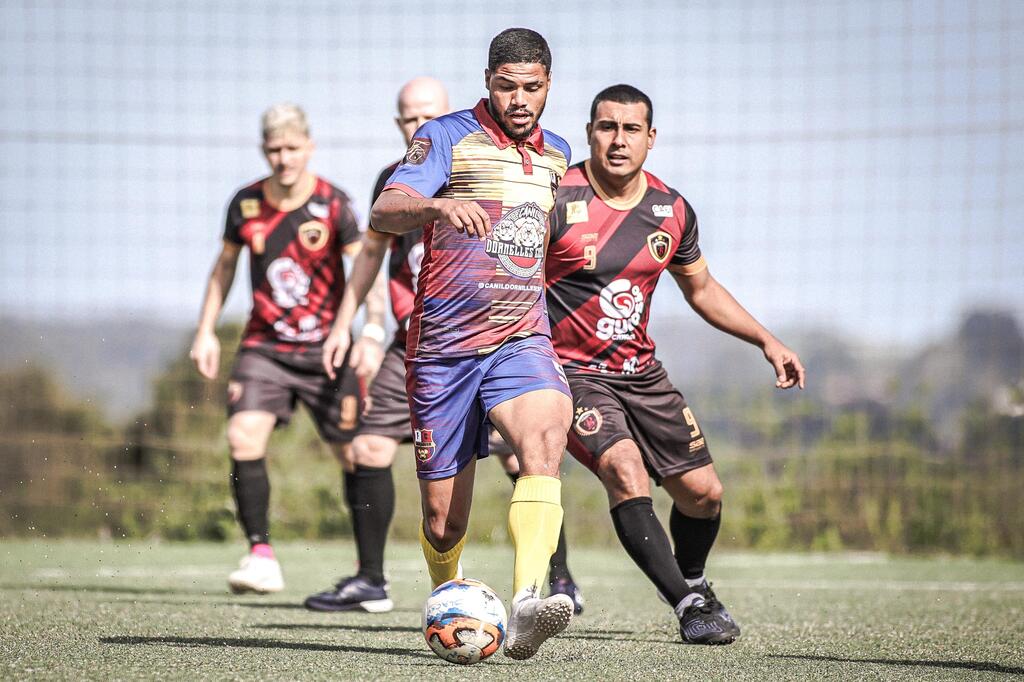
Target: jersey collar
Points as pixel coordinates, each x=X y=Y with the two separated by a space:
x=618 y=204
x=498 y=136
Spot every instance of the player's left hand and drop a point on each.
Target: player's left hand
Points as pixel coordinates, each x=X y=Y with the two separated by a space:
x=367 y=356
x=335 y=346
x=789 y=372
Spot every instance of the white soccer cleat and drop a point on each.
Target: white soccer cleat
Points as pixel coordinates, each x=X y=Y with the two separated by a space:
x=257 y=574
x=533 y=621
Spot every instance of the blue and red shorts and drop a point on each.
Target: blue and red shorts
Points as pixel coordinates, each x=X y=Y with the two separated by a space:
x=450 y=398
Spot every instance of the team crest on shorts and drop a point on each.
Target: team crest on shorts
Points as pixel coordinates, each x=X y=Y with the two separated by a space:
x=660 y=245
x=419 y=148
x=517 y=240
x=313 y=235
x=423 y=444
x=588 y=421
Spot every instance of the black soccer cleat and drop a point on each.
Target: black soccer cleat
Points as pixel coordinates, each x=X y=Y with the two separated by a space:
x=352 y=594
x=569 y=588
x=700 y=624
x=728 y=624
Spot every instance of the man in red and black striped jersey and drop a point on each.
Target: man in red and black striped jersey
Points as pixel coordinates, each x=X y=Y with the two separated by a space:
x=297 y=226
x=615 y=229
x=386 y=421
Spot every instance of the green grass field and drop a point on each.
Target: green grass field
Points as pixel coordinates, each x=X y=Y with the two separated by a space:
x=88 y=610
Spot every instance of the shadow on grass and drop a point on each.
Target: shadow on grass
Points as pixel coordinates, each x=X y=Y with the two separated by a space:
x=336 y=626
x=255 y=643
x=104 y=589
x=980 y=666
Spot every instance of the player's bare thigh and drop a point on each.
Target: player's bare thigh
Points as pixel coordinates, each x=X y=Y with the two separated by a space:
x=534 y=425
x=248 y=433
x=696 y=493
x=622 y=471
x=373 y=450
x=446 y=504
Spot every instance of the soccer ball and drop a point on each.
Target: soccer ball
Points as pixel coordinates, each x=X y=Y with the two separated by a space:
x=464 y=621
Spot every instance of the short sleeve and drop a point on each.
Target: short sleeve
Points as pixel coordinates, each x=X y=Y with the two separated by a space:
x=233 y=222
x=688 y=256
x=347 y=223
x=427 y=165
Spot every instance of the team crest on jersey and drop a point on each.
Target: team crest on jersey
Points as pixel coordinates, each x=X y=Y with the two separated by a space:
x=576 y=212
x=419 y=148
x=288 y=282
x=660 y=244
x=623 y=306
x=313 y=235
x=250 y=208
x=588 y=421
x=423 y=444
x=517 y=240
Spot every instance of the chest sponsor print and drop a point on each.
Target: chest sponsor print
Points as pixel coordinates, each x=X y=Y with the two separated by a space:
x=622 y=303
x=660 y=245
x=289 y=283
x=517 y=240
x=576 y=212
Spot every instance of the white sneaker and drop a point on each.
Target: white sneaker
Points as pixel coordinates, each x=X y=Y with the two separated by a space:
x=256 y=574
x=533 y=621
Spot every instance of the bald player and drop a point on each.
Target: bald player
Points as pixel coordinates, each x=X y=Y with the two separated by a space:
x=385 y=422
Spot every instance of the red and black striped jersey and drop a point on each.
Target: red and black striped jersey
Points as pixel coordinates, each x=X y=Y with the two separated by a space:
x=295 y=265
x=406 y=255
x=604 y=262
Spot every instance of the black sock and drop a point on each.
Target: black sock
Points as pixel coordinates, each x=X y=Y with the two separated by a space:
x=693 y=539
x=370 y=495
x=644 y=539
x=558 y=566
x=252 y=496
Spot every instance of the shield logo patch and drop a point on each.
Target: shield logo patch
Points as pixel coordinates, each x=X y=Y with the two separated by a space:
x=660 y=245
x=313 y=235
x=423 y=444
x=588 y=421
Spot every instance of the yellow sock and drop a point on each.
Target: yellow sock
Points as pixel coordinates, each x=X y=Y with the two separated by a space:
x=534 y=521
x=442 y=566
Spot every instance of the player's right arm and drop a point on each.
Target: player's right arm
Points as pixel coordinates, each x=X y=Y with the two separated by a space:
x=397 y=212
x=409 y=198
x=364 y=272
x=205 y=351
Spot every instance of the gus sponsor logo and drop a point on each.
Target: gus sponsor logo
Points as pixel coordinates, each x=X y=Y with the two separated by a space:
x=588 y=421
x=623 y=306
x=423 y=444
x=517 y=240
x=288 y=282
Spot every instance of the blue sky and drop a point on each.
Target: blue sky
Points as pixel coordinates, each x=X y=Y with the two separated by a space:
x=854 y=165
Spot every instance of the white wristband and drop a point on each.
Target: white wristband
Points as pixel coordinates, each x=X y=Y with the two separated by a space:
x=373 y=331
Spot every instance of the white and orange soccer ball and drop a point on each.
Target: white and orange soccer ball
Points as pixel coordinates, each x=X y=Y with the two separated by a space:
x=464 y=621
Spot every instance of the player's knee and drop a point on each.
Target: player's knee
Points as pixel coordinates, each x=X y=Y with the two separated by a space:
x=444 y=531
x=707 y=498
x=373 y=451
x=551 y=439
x=623 y=477
x=244 y=444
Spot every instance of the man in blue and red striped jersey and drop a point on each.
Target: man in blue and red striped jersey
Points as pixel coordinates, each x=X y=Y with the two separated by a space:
x=614 y=230
x=483 y=180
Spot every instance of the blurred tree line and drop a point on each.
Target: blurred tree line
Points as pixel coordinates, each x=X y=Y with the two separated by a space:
x=929 y=459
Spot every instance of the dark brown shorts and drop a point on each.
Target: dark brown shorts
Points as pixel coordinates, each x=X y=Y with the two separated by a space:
x=260 y=382
x=644 y=407
x=387 y=406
